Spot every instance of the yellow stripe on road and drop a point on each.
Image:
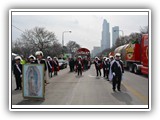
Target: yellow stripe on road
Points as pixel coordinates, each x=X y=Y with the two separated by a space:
x=143 y=98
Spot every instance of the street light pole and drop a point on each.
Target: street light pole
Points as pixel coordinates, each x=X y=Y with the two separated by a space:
x=63 y=37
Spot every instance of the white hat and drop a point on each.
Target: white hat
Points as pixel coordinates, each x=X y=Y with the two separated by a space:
x=39 y=53
x=117 y=55
x=18 y=57
x=55 y=58
x=48 y=57
x=111 y=56
x=79 y=57
x=31 y=56
x=106 y=59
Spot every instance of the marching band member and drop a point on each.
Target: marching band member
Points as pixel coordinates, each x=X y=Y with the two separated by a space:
x=79 y=65
x=17 y=71
x=104 y=65
x=111 y=61
x=107 y=67
x=117 y=71
x=56 y=65
x=40 y=60
x=50 y=64
x=97 y=63
x=31 y=59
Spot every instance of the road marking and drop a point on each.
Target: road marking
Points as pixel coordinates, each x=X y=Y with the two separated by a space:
x=143 y=98
x=73 y=93
x=96 y=77
x=91 y=76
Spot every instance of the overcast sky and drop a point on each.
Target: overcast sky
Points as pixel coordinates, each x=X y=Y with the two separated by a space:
x=86 y=29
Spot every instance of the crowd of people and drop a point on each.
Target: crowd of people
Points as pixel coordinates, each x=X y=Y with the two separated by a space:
x=79 y=64
x=112 y=67
x=112 y=70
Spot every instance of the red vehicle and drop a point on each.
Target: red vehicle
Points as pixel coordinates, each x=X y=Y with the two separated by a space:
x=83 y=52
x=135 y=55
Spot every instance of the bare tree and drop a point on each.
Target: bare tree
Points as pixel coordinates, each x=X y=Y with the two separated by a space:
x=121 y=41
x=144 y=30
x=36 y=39
x=72 y=45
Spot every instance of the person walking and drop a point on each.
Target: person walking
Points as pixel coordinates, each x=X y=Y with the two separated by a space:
x=17 y=71
x=117 y=71
x=79 y=65
x=55 y=65
x=40 y=60
x=104 y=66
x=107 y=67
x=50 y=65
x=97 y=63
x=111 y=61
x=31 y=59
x=89 y=63
x=71 y=64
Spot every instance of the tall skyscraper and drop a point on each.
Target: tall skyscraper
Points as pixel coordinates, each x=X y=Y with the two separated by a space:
x=96 y=50
x=105 y=42
x=115 y=34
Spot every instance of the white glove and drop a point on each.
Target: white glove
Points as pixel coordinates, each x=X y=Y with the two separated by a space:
x=21 y=76
x=114 y=74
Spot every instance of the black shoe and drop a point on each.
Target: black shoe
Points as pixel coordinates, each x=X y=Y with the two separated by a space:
x=119 y=90
x=20 y=88
x=114 y=90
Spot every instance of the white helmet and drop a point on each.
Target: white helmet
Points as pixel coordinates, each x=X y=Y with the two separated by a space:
x=39 y=53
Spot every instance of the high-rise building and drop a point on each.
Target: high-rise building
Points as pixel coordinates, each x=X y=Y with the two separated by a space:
x=105 y=42
x=95 y=51
x=115 y=34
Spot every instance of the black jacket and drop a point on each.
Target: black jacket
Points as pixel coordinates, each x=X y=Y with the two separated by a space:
x=41 y=62
x=56 y=65
x=98 y=64
x=16 y=71
x=50 y=66
x=116 y=69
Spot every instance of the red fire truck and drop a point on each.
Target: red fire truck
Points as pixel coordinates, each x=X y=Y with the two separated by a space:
x=135 y=55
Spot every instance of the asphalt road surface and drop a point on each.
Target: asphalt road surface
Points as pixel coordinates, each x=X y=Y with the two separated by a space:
x=69 y=89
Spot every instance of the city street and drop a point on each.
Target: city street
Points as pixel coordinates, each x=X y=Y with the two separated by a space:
x=69 y=89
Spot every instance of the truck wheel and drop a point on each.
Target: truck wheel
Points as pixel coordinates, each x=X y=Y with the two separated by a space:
x=130 y=68
x=135 y=69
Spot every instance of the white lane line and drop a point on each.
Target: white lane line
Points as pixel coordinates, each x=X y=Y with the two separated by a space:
x=70 y=97
x=91 y=76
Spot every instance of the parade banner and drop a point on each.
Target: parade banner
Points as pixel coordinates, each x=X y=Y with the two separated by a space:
x=33 y=81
